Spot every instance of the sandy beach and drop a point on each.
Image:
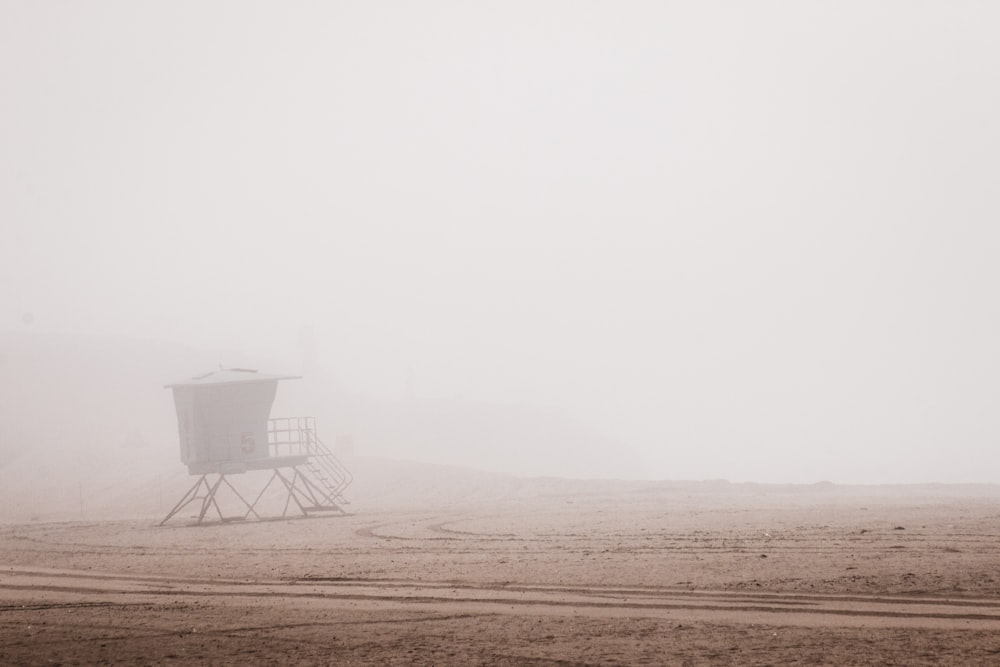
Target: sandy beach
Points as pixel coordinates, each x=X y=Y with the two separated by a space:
x=500 y=570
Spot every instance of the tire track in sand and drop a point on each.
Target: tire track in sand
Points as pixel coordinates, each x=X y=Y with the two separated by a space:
x=34 y=587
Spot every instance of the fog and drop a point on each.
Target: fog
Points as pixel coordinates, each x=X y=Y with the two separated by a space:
x=694 y=240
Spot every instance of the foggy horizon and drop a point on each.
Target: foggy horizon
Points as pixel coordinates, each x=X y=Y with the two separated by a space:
x=753 y=243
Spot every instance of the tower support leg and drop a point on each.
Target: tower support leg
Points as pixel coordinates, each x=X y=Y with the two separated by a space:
x=208 y=499
x=301 y=490
x=188 y=498
x=290 y=486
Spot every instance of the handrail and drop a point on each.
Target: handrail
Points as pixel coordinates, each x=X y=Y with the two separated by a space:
x=296 y=436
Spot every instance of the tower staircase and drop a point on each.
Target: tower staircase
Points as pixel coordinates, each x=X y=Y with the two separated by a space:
x=323 y=476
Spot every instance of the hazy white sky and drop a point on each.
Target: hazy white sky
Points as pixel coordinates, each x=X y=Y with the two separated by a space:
x=754 y=240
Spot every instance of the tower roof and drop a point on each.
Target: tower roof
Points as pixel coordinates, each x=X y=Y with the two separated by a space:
x=230 y=376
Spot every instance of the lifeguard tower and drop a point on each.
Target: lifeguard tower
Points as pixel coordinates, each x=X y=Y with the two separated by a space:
x=225 y=427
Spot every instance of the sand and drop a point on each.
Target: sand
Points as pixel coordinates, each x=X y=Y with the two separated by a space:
x=461 y=568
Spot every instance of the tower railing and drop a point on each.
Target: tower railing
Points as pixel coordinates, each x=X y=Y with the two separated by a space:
x=296 y=436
